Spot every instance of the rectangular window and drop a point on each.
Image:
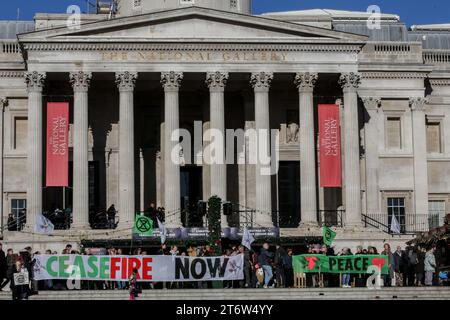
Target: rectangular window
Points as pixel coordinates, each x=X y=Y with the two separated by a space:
x=187 y=2
x=20 y=133
x=394 y=133
x=396 y=206
x=18 y=207
x=434 y=137
x=436 y=213
x=234 y=4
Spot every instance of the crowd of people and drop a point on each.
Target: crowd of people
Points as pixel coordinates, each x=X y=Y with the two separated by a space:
x=265 y=267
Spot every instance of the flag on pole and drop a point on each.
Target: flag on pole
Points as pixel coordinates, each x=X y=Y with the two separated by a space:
x=247 y=239
x=162 y=231
x=328 y=235
x=395 y=225
x=43 y=225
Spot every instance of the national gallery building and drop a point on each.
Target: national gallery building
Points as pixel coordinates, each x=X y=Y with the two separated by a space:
x=134 y=72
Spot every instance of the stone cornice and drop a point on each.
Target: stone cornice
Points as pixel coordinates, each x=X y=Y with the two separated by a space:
x=136 y=46
x=440 y=82
x=393 y=75
x=12 y=74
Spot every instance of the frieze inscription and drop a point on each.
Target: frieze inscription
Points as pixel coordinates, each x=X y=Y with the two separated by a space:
x=195 y=56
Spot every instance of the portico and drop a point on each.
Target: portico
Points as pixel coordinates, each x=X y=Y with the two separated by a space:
x=108 y=50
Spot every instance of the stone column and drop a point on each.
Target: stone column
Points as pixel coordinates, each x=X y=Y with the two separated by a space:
x=352 y=177
x=371 y=138
x=80 y=82
x=126 y=82
x=216 y=82
x=35 y=83
x=261 y=85
x=418 y=106
x=308 y=193
x=3 y=105
x=171 y=81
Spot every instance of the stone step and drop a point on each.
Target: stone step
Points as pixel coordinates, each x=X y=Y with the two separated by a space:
x=250 y=294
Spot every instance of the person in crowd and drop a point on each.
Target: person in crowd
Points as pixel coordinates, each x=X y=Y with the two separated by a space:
x=420 y=266
x=289 y=269
x=400 y=262
x=411 y=264
x=19 y=287
x=111 y=215
x=3 y=265
x=132 y=285
x=163 y=251
x=121 y=285
x=10 y=261
x=48 y=284
x=68 y=248
x=280 y=263
x=247 y=282
x=227 y=284
x=430 y=266
x=346 y=276
x=360 y=279
x=12 y=223
x=391 y=265
x=173 y=252
x=265 y=260
x=191 y=251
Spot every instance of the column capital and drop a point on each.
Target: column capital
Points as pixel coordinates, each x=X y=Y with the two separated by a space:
x=418 y=103
x=35 y=81
x=80 y=81
x=350 y=81
x=3 y=102
x=261 y=80
x=217 y=80
x=171 y=80
x=126 y=81
x=371 y=103
x=305 y=81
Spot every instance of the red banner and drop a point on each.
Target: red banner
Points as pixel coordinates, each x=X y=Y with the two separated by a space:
x=330 y=146
x=57 y=174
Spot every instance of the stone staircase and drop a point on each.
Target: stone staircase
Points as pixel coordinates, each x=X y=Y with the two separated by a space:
x=435 y=293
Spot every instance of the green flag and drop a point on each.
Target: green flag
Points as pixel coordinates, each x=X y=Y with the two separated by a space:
x=143 y=226
x=328 y=235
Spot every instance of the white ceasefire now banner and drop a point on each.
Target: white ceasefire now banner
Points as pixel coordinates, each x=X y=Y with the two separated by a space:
x=150 y=268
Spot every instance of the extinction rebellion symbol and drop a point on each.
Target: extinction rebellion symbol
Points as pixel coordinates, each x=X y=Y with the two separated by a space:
x=144 y=226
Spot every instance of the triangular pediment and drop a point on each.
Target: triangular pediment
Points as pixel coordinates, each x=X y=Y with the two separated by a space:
x=193 y=23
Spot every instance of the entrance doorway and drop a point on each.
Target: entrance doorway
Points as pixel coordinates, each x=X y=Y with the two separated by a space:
x=191 y=194
x=289 y=194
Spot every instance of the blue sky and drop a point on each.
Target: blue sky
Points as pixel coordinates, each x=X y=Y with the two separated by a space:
x=411 y=11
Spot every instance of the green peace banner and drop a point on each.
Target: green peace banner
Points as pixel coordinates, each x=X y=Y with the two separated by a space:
x=143 y=226
x=357 y=264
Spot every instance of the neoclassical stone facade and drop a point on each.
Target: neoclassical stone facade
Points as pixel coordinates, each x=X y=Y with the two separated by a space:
x=133 y=80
